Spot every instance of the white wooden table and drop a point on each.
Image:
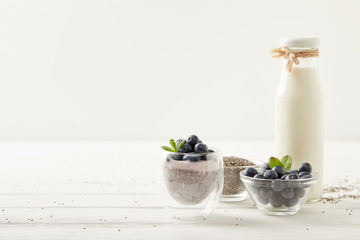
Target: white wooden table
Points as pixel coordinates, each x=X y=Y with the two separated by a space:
x=108 y=190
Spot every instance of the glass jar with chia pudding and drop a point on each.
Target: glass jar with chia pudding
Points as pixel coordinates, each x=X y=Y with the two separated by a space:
x=191 y=183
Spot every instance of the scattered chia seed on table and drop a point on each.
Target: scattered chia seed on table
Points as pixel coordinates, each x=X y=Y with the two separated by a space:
x=345 y=188
x=232 y=168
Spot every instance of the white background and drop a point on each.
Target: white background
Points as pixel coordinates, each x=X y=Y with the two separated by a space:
x=127 y=70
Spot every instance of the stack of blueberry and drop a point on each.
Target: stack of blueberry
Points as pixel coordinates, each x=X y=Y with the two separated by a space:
x=279 y=172
x=282 y=190
x=195 y=148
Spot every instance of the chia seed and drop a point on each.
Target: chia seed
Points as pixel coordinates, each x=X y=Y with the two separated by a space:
x=232 y=168
x=187 y=186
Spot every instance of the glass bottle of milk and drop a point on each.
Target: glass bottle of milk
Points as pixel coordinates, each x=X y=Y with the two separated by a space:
x=299 y=110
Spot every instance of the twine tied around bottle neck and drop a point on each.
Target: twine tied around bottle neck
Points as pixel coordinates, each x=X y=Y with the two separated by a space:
x=292 y=56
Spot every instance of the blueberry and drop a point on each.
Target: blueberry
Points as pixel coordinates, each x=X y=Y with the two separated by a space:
x=266 y=166
x=305 y=167
x=279 y=170
x=192 y=158
x=193 y=140
x=200 y=148
x=306 y=176
x=180 y=141
x=270 y=174
x=291 y=202
x=276 y=200
x=265 y=192
x=178 y=157
x=259 y=176
x=203 y=158
x=262 y=200
x=284 y=176
x=288 y=193
x=250 y=172
x=303 y=173
x=277 y=185
x=292 y=176
x=186 y=148
x=293 y=171
x=300 y=192
x=210 y=150
x=262 y=171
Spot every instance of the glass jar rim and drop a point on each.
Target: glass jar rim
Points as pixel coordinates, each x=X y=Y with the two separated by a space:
x=236 y=167
x=215 y=151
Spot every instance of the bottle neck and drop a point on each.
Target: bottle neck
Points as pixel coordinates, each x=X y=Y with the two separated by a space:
x=306 y=62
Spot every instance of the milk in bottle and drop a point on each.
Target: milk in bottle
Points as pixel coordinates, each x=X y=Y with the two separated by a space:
x=299 y=109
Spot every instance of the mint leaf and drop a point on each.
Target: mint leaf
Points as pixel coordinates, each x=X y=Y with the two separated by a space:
x=180 y=145
x=287 y=162
x=273 y=161
x=169 y=149
x=173 y=144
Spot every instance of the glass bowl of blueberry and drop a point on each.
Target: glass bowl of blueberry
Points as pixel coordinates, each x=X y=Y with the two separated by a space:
x=191 y=178
x=276 y=189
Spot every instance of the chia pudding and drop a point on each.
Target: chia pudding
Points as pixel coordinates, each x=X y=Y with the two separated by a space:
x=191 y=178
x=232 y=168
x=189 y=183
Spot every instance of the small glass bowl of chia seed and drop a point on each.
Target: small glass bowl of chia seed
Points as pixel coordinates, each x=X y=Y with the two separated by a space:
x=234 y=189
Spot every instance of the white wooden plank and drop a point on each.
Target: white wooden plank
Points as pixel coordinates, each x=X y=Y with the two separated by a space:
x=55 y=223
x=119 y=167
x=64 y=187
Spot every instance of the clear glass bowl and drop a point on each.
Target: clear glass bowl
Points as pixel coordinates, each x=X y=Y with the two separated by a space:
x=279 y=197
x=234 y=189
x=191 y=188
